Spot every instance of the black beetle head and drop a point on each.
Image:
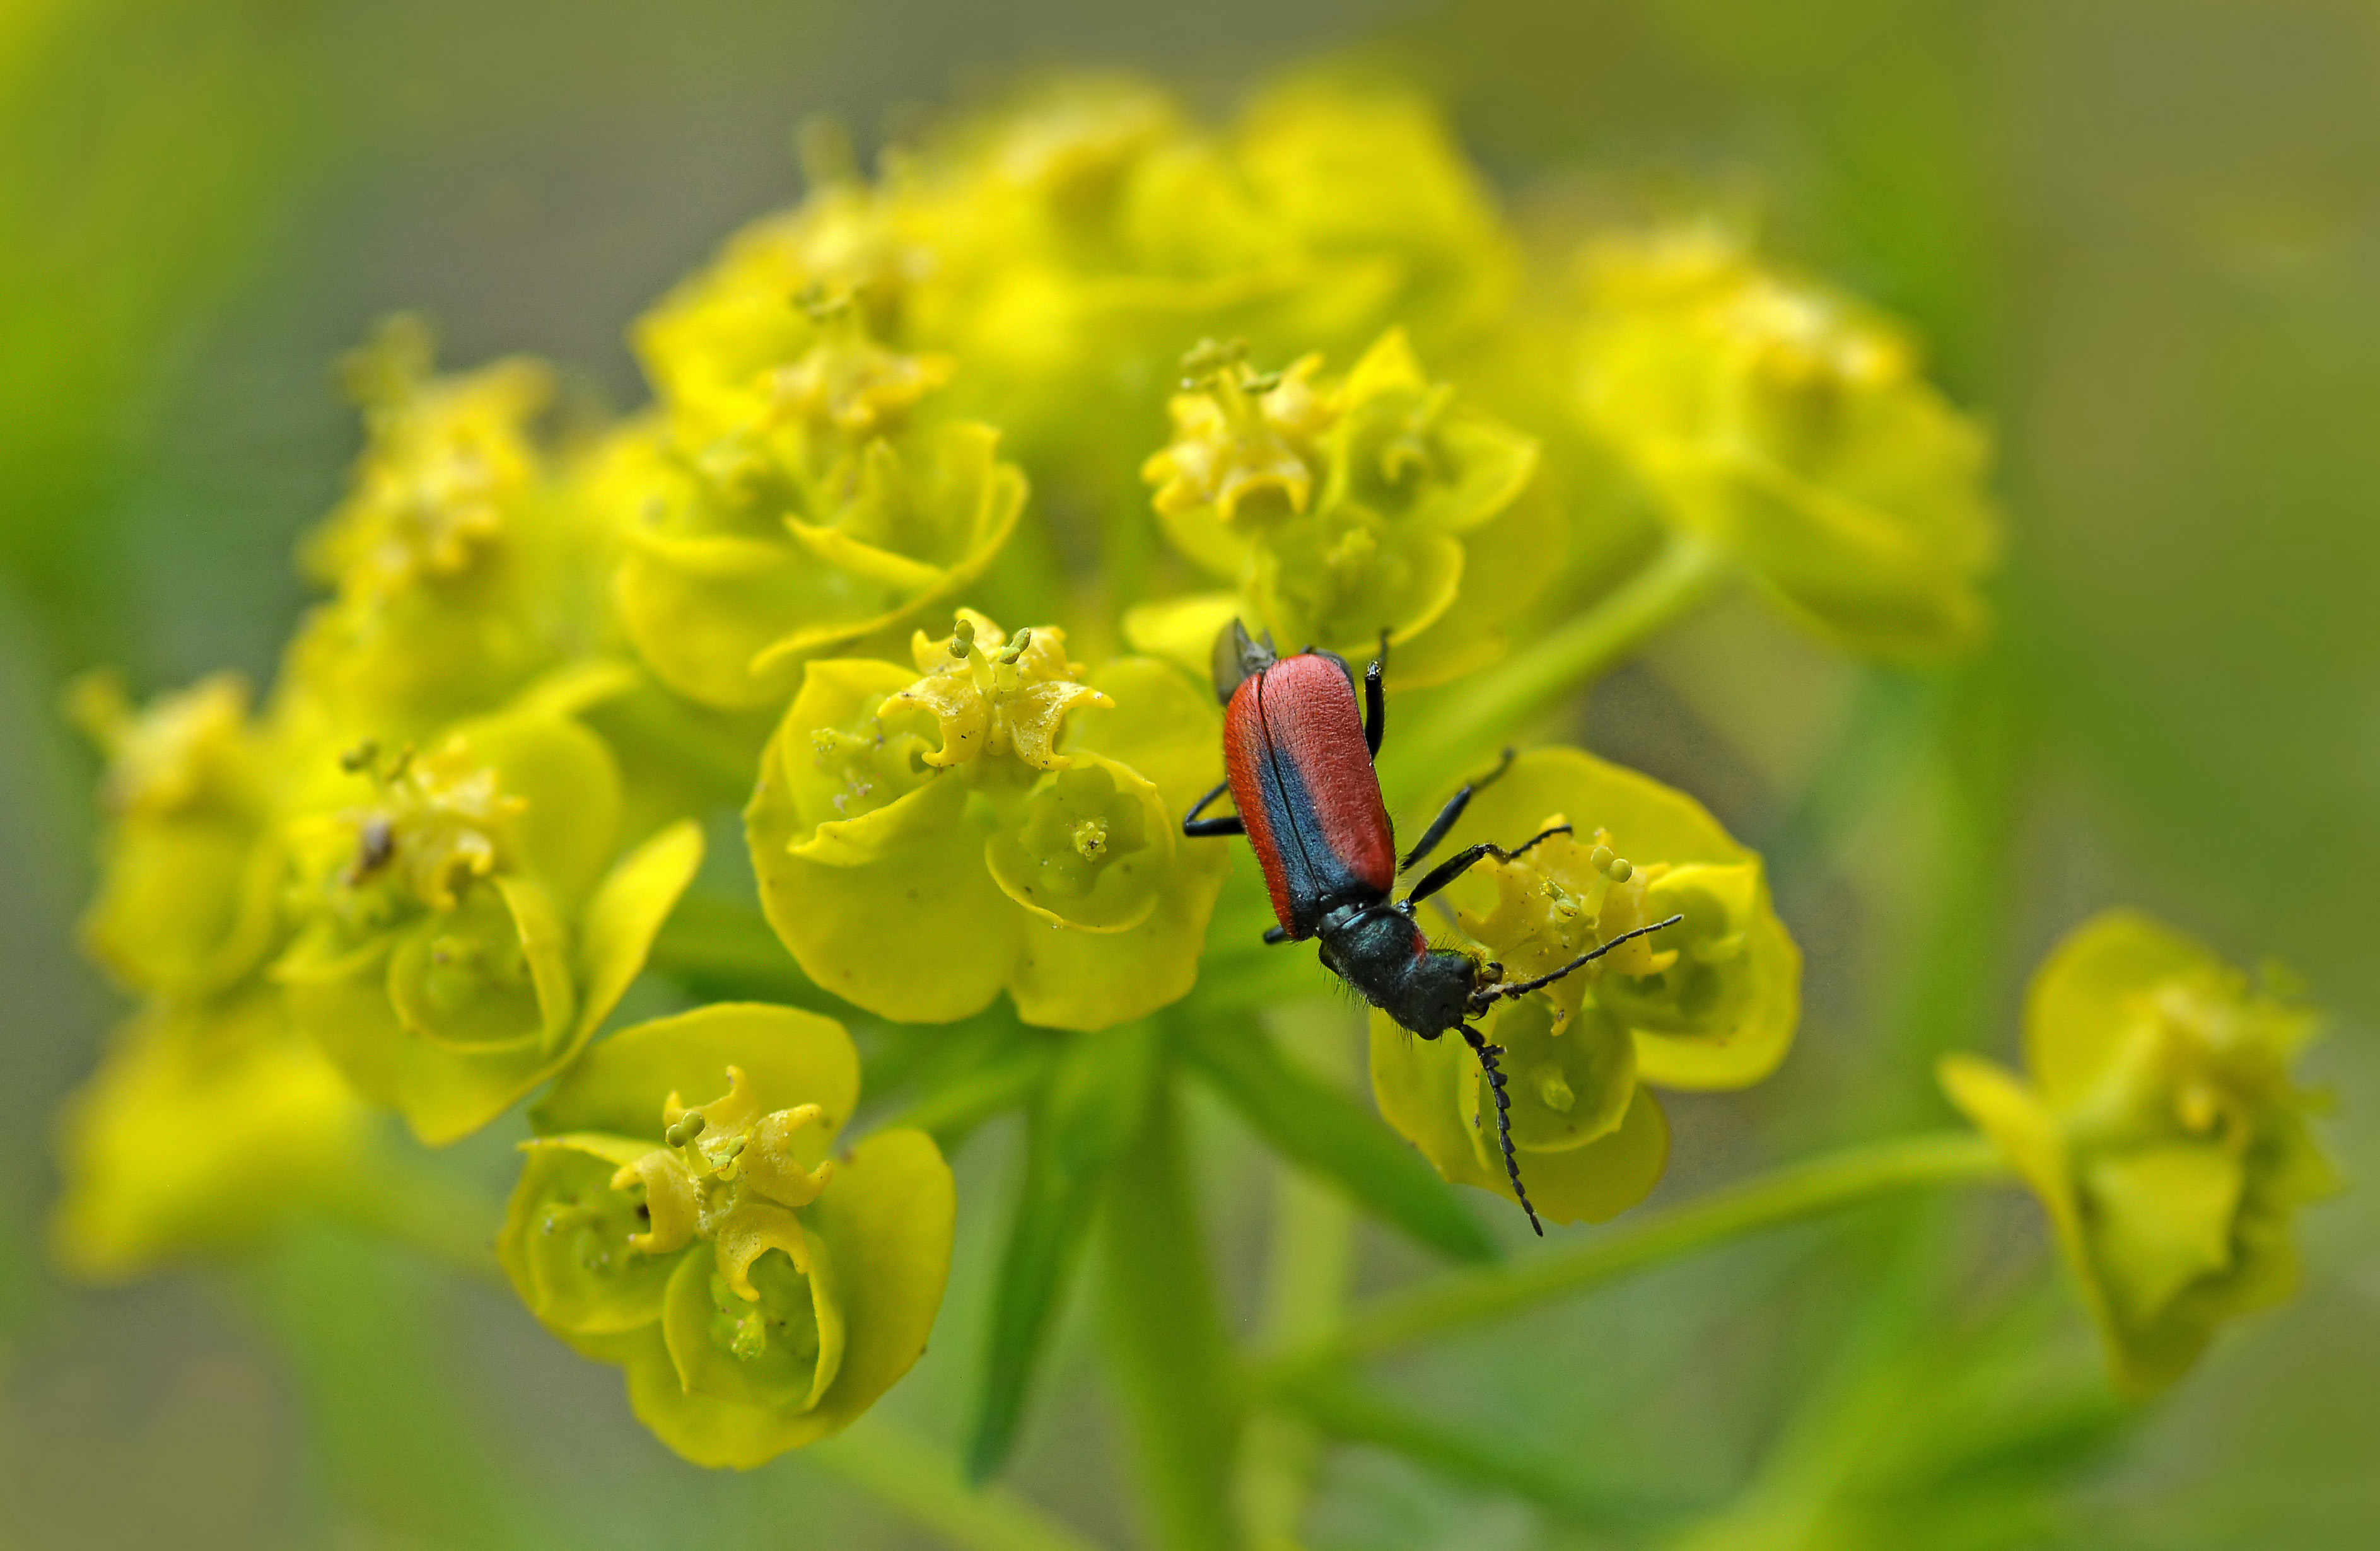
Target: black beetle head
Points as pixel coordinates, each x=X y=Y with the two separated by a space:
x=1239 y=658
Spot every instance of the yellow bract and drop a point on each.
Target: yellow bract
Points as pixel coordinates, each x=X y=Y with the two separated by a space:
x=1711 y=1003
x=2164 y=1131
x=1343 y=508
x=470 y=923
x=457 y=572
x=190 y=867
x=1794 y=429
x=990 y=819
x=207 y=1125
x=760 y=1293
x=775 y=509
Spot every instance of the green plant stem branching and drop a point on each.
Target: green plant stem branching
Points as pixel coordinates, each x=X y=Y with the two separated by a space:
x=1683 y=575
x=1458 y=1300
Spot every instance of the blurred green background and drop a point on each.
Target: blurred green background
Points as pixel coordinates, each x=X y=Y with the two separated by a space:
x=2144 y=240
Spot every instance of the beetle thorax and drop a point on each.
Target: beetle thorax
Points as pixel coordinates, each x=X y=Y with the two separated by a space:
x=1376 y=949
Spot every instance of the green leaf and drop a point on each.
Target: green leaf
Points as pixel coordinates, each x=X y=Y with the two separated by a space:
x=1321 y=1130
x=1091 y=1107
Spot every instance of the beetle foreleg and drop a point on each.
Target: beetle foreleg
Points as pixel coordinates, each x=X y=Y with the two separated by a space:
x=1487 y=1054
x=1450 y=812
x=1461 y=861
x=1206 y=828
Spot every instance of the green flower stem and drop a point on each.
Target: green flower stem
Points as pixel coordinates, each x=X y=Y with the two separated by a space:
x=1687 y=571
x=921 y=1484
x=723 y=949
x=1310 y=1265
x=1353 y=1412
x=1171 y=1356
x=1454 y=1302
x=422 y=1208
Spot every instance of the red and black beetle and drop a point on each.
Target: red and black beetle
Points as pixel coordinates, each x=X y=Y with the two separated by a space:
x=1298 y=764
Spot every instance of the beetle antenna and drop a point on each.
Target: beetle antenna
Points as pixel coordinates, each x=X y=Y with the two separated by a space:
x=1487 y=1054
x=1482 y=999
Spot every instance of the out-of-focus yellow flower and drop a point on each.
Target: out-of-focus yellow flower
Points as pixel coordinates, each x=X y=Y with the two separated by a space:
x=467 y=926
x=1067 y=247
x=2163 y=1130
x=457 y=573
x=781 y=511
x=1343 y=508
x=207 y=1123
x=990 y=818
x=1711 y=1003
x=1794 y=429
x=760 y=1292
x=191 y=870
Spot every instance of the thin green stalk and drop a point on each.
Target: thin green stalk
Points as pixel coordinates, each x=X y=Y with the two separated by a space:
x=921 y=1484
x=1309 y=1267
x=1172 y=1358
x=1685 y=572
x=423 y=1209
x=1353 y=1412
x=1454 y=1302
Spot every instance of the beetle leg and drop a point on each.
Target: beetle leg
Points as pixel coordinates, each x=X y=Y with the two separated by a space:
x=1487 y=994
x=1487 y=1063
x=1452 y=812
x=1275 y=936
x=1203 y=828
x=1454 y=866
x=1376 y=699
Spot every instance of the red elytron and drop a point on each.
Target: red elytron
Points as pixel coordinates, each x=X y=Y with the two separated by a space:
x=1298 y=763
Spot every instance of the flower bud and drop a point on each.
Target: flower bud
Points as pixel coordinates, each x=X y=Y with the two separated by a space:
x=2162 y=1128
x=760 y=1294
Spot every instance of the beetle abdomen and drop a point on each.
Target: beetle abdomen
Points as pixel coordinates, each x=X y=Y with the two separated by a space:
x=1302 y=780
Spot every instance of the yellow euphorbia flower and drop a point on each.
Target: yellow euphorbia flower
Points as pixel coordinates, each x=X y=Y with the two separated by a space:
x=206 y=1125
x=1343 y=508
x=1066 y=249
x=457 y=572
x=467 y=926
x=1793 y=428
x=2162 y=1131
x=774 y=517
x=1711 y=1003
x=760 y=1292
x=190 y=867
x=990 y=819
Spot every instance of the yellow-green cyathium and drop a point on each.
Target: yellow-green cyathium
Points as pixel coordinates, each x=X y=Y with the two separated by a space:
x=990 y=818
x=2160 y=1124
x=189 y=884
x=776 y=510
x=472 y=920
x=458 y=572
x=1794 y=429
x=683 y=1215
x=1340 y=508
x=1058 y=254
x=1711 y=1003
